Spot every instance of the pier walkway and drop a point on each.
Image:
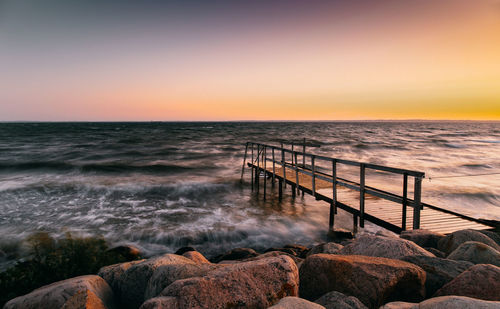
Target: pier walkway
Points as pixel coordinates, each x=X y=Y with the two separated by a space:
x=322 y=178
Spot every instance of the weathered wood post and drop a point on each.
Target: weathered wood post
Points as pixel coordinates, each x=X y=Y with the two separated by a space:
x=362 y=195
x=333 y=205
x=405 y=200
x=244 y=161
x=280 y=189
x=304 y=153
x=313 y=168
x=253 y=170
x=257 y=170
x=416 y=198
x=264 y=158
x=274 y=169
x=296 y=173
x=283 y=164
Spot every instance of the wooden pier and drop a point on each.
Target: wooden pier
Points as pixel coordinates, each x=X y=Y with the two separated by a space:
x=306 y=173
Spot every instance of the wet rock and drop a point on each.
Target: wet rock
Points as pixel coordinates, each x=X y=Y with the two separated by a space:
x=128 y=252
x=386 y=233
x=455 y=239
x=373 y=280
x=495 y=236
x=196 y=257
x=299 y=249
x=254 y=284
x=165 y=275
x=438 y=271
x=160 y=303
x=183 y=250
x=132 y=284
x=481 y=281
x=380 y=246
x=423 y=238
x=113 y=272
x=329 y=248
x=284 y=250
x=456 y=302
x=84 y=300
x=477 y=253
x=297 y=260
x=291 y=302
x=55 y=295
x=337 y=300
x=339 y=235
x=436 y=252
x=235 y=254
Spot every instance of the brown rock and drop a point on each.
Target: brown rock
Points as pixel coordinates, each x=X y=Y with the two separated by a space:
x=438 y=271
x=380 y=246
x=128 y=252
x=329 y=248
x=160 y=303
x=455 y=302
x=477 y=253
x=372 y=280
x=255 y=284
x=235 y=254
x=481 y=281
x=337 y=300
x=84 y=300
x=292 y=302
x=455 y=239
x=423 y=238
x=196 y=257
x=113 y=272
x=266 y=255
x=55 y=295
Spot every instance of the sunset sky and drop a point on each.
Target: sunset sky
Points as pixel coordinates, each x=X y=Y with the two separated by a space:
x=72 y=60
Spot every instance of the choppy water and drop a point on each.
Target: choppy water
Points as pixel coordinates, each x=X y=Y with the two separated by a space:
x=166 y=185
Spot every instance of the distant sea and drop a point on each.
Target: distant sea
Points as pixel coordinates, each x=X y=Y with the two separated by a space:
x=161 y=186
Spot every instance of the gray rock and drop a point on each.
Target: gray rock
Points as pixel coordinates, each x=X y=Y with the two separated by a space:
x=337 y=300
x=423 y=238
x=495 y=236
x=55 y=295
x=455 y=239
x=481 y=281
x=373 y=280
x=235 y=254
x=438 y=271
x=112 y=273
x=160 y=303
x=291 y=302
x=455 y=302
x=254 y=284
x=436 y=252
x=380 y=246
x=329 y=248
x=476 y=252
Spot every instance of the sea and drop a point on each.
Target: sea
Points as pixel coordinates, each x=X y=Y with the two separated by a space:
x=164 y=185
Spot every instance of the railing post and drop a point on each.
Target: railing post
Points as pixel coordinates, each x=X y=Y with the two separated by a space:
x=417 y=194
x=264 y=155
x=244 y=161
x=292 y=154
x=274 y=169
x=283 y=164
x=257 y=170
x=405 y=200
x=253 y=170
x=313 y=176
x=296 y=173
x=362 y=195
x=304 y=153
x=333 y=205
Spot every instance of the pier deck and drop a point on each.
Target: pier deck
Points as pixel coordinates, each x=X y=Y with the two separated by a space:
x=393 y=212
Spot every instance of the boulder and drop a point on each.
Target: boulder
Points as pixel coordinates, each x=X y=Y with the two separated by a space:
x=183 y=250
x=196 y=257
x=438 y=271
x=84 y=300
x=289 y=251
x=436 y=252
x=299 y=249
x=339 y=235
x=165 y=275
x=55 y=295
x=373 y=280
x=254 y=284
x=329 y=248
x=235 y=254
x=456 y=302
x=495 y=236
x=380 y=246
x=297 y=260
x=476 y=252
x=455 y=239
x=423 y=238
x=481 y=281
x=128 y=252
x=132 y=284
x=337 y=300
x=160 y=303
x=112 y=273
x=292 y=302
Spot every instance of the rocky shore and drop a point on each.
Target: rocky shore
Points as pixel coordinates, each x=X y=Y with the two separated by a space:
x=419 y=269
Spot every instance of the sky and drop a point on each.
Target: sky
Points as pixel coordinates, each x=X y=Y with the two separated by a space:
x=72 y=60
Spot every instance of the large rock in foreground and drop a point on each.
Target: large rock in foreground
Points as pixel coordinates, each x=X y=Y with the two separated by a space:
x=373 y=280
x=55 y=295
x=438 y=271
x=291 y=302
x=477 y=253
x=337 y=300
x=423 y=238
x=455 y=302
x=381 y=246
x=455 y=239
x=481 y=281
x=255 y=284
